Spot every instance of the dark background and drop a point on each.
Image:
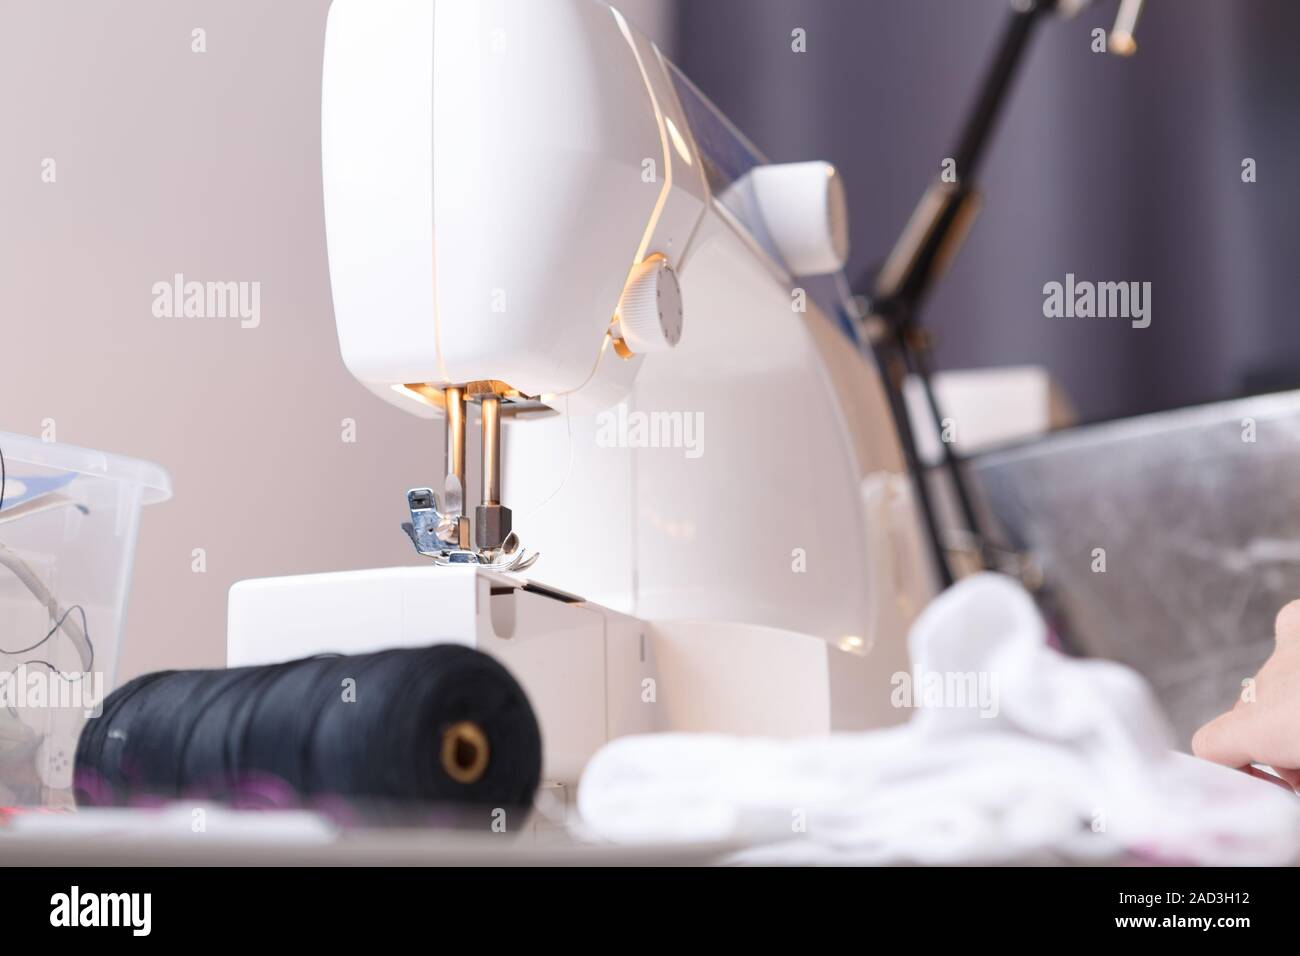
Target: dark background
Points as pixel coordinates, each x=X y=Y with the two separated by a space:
x=1114 y=169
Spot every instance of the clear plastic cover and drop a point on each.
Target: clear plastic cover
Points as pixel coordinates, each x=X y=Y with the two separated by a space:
x=68 y=523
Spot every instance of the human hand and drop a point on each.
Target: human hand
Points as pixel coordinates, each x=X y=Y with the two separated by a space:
x=1264 y=724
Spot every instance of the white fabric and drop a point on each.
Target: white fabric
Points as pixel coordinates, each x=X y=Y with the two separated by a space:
x=1074 y=762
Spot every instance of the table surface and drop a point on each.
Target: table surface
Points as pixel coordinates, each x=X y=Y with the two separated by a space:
x=70 y=842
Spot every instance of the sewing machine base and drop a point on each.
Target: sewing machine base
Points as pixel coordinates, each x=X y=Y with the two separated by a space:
x=592 y=674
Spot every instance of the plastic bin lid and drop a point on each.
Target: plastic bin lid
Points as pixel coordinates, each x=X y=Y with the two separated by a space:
x=155 y=483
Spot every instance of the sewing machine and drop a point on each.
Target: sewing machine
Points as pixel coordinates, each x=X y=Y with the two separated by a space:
x=632 y=332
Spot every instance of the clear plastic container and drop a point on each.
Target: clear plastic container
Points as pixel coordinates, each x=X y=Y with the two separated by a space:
x=68 y=523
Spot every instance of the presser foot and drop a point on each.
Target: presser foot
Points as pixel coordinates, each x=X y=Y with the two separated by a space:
x=440 y=536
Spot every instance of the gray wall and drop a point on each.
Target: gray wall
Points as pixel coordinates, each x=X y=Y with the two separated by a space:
x=1108 y=168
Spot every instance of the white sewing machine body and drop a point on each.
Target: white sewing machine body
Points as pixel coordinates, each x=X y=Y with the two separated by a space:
x=592 y=674
x=527 y=207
